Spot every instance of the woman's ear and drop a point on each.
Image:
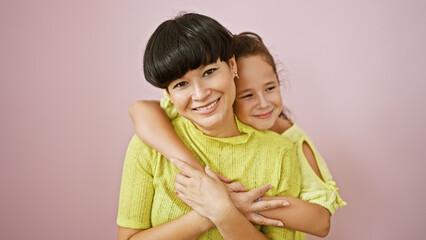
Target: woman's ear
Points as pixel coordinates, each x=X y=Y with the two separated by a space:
x=168 y=95
x=233 y=64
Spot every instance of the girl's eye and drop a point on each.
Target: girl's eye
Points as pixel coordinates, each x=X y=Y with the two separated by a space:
x=270 y=89
x=179 y=85
x=209 y=72
x=247 y=96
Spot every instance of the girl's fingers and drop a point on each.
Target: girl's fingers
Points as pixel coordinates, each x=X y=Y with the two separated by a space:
x=223 y=178
x=261 y=220
x=268 y=205
x=236 y=187
x=259 y=192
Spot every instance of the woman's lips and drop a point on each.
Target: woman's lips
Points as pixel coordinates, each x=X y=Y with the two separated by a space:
x=207 y=108
x=263 y=116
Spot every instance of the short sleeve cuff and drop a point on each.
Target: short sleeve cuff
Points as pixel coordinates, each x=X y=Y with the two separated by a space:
x=328 y=198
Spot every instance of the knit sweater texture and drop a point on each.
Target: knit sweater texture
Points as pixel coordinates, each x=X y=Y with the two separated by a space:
x=255 y=158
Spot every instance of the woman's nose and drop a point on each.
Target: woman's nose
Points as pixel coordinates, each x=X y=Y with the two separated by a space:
x=200 y=92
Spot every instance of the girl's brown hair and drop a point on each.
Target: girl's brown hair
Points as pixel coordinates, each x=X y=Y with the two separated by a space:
x=248 y=44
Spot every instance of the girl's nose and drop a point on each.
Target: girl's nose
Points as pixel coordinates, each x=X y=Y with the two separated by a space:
x=262 y=102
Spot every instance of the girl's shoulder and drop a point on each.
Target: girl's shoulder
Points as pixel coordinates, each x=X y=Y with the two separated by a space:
x=291 y=130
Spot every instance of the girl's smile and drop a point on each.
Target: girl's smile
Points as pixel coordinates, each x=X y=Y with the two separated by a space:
x=258 y=101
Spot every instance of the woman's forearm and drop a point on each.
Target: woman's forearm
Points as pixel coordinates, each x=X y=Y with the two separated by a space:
x=186 y=227
x=301 y=215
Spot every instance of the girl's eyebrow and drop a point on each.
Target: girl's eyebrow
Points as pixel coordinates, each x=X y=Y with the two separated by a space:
x=270 y=82
x=243 y=91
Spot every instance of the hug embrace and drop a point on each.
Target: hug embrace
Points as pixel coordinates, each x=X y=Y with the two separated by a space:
x=218 y=158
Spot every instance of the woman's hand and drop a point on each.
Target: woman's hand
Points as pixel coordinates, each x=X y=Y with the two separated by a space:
x=205 y=193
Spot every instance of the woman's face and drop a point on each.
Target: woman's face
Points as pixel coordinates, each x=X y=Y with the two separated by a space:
x=205 y=96
x=258 y=101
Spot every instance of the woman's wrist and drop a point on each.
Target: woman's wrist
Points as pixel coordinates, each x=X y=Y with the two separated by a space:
x=227 y=213
x=204 y=224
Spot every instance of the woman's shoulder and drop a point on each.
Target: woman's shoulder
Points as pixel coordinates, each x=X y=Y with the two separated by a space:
x=137 y=146
x=140 y=152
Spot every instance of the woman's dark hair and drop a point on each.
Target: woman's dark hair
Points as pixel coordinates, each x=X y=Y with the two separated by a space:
x=183 y=44
x=248 y=44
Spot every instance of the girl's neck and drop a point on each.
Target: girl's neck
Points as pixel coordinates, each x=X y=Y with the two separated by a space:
x=281 y=125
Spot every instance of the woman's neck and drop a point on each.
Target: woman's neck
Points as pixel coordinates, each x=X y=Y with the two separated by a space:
x=228 y=128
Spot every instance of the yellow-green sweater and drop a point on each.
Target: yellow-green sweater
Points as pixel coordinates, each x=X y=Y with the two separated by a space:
x=255 y=158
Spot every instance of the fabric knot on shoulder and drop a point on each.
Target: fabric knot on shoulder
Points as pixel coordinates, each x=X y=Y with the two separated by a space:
x=331 y=185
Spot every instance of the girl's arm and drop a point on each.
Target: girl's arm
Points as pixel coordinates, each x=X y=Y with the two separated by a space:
x=153 y=127
x=298 y=214
x=156 y=130
x=301 y=215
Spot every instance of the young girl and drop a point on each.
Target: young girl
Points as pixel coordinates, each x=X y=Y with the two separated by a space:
x=258 y=103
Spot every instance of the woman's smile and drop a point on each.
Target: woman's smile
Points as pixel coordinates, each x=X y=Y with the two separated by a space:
x=208 y=108
x=205 y=96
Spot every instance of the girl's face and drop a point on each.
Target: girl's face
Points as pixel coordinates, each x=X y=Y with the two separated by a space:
x=205 y=97
x=258 y=101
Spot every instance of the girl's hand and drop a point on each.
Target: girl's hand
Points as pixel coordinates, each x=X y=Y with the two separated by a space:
x=223 y=178
x=247 y=203
x=205 y=193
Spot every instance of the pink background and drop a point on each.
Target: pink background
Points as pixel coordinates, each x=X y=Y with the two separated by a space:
x=69 y=70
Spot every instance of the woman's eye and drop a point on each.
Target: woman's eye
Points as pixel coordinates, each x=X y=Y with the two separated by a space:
x=209 y=72
x=179 y=85
x=247 y=96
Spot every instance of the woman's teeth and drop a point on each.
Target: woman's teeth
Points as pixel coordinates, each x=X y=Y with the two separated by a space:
x=203 y=109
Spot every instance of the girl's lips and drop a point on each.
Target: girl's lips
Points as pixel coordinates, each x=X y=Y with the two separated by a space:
x=263 y=116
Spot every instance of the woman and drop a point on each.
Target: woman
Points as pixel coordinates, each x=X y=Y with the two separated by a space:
x=192 y=58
